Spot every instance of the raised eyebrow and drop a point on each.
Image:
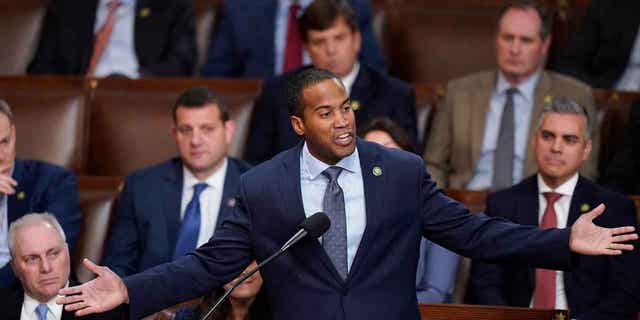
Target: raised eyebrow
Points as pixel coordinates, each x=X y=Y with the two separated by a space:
x=570 y=136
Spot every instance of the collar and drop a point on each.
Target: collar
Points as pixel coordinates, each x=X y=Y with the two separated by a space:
x=525 y=88
x=104 y=3
x=215 y=180
x=350 y=78
x=565 y=189
x=30 y=304
x=312 y=167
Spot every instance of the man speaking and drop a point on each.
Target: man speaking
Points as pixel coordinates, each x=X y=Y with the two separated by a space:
x=380 y=202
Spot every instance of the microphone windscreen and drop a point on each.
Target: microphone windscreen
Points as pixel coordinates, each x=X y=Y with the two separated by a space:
x=316 y=225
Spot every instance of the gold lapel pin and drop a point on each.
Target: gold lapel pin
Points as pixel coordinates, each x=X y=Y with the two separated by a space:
x=585 y=207
x=21 y=195
x=145 y=12
x=377 y=171
x=547 y=99
x=355 y=105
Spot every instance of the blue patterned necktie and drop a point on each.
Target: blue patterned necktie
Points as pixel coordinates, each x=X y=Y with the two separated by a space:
x=190 y=227
x=41 y=311
x=335 y=240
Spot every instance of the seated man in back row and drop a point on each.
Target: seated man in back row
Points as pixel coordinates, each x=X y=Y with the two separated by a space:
x=331 y=36
x=31 y=186
x=40 y=259
x=599 y=287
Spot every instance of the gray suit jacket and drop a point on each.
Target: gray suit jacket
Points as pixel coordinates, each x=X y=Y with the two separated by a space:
x=455 y=142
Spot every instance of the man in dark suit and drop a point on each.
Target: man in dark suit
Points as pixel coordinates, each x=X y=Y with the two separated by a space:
x=154 y=206
x=606 y=47
x=250 y=38
x=31 y=186
x=597 y=287
x=145 y=38
x=332 y=38
x=380 y=201
x=40 y=259
x=623 y=172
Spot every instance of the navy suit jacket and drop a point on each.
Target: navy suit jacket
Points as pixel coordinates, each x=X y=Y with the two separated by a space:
x=599 y=51
x=378 y=95
x=402 y=204
x=43 y=187
x=164 y=38
x=148 y=218
x=598 y=287
x=243 y=43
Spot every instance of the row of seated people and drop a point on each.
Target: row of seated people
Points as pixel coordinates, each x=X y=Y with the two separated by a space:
x=197 y=140
x=251 y=40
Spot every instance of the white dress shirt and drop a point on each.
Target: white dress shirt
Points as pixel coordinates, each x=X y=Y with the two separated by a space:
x=522 y=107
x=29 y=305
x=350 y=78
x=630 y=79
x=561 y=207
x=210 y=199
x=119 y=56
x=313 y=185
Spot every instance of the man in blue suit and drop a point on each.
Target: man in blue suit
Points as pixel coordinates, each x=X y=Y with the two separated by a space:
x=598 y=287
x=381 y=202
x=250 y=38
x=331 y=36
x=31 y=186
x=153 y=208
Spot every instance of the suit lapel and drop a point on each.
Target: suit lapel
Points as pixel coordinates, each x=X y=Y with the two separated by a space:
x=584 y=197
x=543 y=87
x=479 y=102
x=172 y=195
x=361 y=92
x=374 y=187
x=228 y=200
x=289 y=186
x=18 y=203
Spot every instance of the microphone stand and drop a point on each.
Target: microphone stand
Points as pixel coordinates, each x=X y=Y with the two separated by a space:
x=299 y=235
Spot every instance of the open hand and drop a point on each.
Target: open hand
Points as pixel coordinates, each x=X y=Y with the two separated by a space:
x=105 y=292
x=589 y=239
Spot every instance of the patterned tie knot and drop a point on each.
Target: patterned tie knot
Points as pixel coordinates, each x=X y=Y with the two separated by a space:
x=113 y=4
x=332 y=173
x=551 y=197
x=198 y=188
x=41 y=311
x=511 y=91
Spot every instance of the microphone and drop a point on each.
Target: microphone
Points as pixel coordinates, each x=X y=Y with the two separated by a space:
x=314 y=226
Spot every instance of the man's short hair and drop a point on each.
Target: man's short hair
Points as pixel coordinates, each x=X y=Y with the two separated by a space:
x=564 y=105
x=198 y=97
x=322 y=14
x=6 y=110
x=546 y=18
x=32 y=219
x=300 y=81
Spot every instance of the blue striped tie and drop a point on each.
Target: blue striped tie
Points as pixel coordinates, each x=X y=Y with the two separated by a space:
x=41 y=310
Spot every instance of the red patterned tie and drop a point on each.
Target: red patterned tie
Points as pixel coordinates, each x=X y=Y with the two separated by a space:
x=293 y=46
x=544 y=295
x=102 y=37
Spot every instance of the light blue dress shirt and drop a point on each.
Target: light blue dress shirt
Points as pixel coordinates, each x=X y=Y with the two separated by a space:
x=313 y=185
x=4 y=231
x=523 y=105
x=436 y=275
x=119 y=57
x=280 y=38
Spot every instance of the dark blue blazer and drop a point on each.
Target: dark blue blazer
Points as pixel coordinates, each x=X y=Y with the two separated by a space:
x=164 y=38
x=402 y=205
x=243 y=43
x=148 y=218
x=43 y=187
x=378 y=95
x=599 y=287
